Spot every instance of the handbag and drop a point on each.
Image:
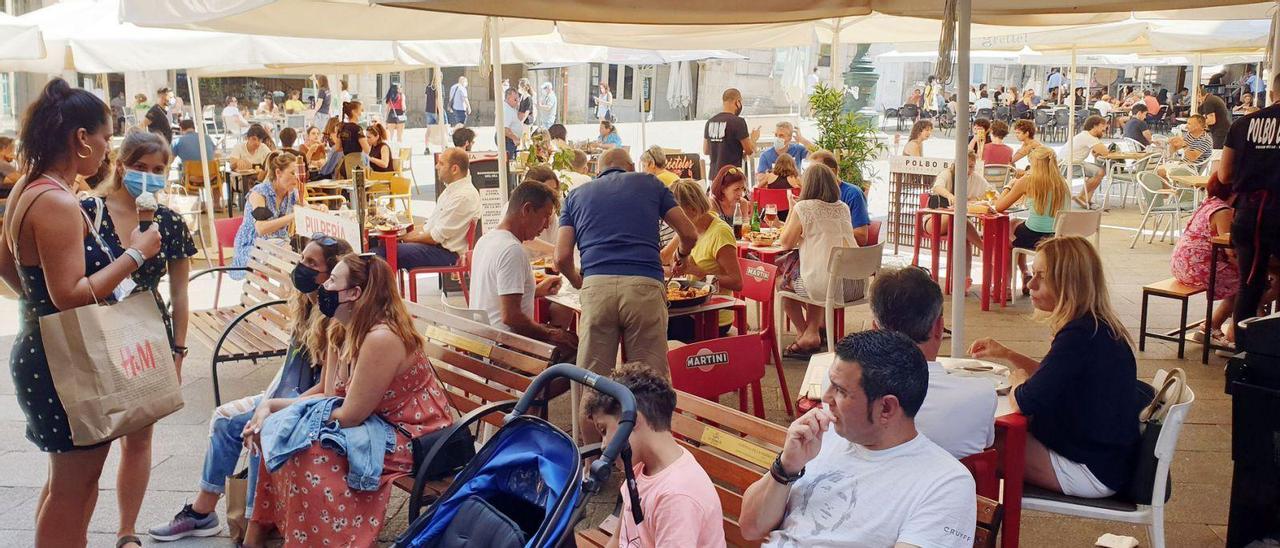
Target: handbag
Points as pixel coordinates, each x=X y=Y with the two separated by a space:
x=111 y=364
x=237 y=497
x=455 y=454
x=1151 y=422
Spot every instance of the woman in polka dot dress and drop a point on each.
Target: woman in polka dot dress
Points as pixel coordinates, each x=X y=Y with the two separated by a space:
x=380 y=369
x=141 y=166
x=65 y=133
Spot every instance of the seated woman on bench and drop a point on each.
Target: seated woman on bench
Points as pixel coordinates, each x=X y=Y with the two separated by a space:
x=298 y=375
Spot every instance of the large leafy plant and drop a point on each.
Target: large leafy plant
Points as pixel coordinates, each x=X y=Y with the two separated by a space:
x=853 y=137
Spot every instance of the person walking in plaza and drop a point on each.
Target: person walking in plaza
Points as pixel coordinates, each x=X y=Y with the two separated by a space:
x=1083 y=398
x=118 y=208
x=513 y=126
x=396 y=114
x=604 y=103
x=1251 y=166
x=459 y=102
x=1216 y=115
x=725 y=137
x=444 y=236
x=613 y=222
x=547 y=103
x=324 y=101
x=65 y=135
x=298 y=376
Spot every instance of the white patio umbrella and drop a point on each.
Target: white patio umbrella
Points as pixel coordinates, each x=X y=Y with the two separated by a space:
x=680 y=85
x=19 y=40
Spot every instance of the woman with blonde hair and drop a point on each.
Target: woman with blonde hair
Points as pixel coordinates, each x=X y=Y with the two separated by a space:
x=714 y=254
x=783 y=175
x=383 y=376
x=819 y=222
x=1046 y=193
x=269 y=207
x=1084 y=397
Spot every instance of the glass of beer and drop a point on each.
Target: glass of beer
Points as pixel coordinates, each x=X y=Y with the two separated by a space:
x=771 y=213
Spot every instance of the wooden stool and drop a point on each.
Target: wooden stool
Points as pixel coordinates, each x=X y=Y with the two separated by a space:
x=1170 y=289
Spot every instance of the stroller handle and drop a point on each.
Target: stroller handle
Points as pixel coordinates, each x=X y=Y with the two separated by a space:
x=604 y=384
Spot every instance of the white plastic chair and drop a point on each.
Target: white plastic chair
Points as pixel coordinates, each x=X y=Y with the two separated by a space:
x=1115 y=509
x=478 y=316
x=1158 y=203
x=845 y=263
x=997 y=175
x=1067 y=223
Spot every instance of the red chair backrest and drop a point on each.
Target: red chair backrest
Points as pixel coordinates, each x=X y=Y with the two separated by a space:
x=711 y=368
x=226 y=233
x=983 y=467
x=924 y=200
x=776 y=196
x=873 y=233
x=759 y=281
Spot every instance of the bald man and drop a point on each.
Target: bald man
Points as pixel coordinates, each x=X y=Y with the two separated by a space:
x=725 y=138
x=613 y=222
x=444 y=236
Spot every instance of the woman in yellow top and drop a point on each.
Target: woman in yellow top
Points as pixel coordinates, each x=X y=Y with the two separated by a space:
x=654 y=162
x=294 y=104
x=715 y=254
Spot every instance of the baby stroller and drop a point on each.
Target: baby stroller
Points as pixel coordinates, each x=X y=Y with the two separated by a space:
x=526 y=486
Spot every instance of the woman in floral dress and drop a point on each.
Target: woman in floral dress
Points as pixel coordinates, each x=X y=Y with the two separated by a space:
x=379 y=369
x=1190 y=262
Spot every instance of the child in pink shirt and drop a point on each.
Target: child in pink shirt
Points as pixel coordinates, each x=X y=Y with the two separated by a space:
x=679 y=503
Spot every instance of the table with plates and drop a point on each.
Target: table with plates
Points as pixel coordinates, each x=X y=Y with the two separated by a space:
x=1011 y=431
x=996 y=237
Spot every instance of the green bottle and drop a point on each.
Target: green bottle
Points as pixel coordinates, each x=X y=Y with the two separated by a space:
x=755 y=218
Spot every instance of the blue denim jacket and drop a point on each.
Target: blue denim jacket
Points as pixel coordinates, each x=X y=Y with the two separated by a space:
x=296 y=427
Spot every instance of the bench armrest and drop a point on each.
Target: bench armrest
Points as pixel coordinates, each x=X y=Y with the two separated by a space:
x=219 y=269
x=222 y=338
x=420 y=475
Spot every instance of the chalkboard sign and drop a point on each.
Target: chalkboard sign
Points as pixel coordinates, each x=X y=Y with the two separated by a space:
x=686 y=165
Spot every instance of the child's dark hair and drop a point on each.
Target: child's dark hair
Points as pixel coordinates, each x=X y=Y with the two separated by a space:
x=51 y=121
x=655 y=399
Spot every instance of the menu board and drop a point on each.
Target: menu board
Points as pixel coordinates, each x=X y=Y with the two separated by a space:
x=686 y=165
x=309 y=221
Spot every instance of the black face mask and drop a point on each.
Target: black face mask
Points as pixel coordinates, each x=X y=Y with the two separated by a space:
x=327 y=301
x=304 y=278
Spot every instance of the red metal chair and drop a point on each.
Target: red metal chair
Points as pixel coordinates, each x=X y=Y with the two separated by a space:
x=983 y=467
x=924 y=236
x=225 y=233
x=760 y=284
x=712 y=368
x=462 y=268
x=776 y=196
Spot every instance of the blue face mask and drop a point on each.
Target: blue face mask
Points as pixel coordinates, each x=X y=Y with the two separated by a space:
x=138 y=182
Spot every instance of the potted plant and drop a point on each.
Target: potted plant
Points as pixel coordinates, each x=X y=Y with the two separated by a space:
x=852 y=137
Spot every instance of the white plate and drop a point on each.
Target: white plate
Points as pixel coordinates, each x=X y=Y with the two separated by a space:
x=998 y=374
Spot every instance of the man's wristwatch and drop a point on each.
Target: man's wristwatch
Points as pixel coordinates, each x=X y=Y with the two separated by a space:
x=780 y=475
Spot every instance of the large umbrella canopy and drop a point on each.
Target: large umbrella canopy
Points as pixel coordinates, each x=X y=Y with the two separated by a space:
x=1029 y=57
x=343 y=19
x=86 y=36
x=1133 y=36
x=19 y=40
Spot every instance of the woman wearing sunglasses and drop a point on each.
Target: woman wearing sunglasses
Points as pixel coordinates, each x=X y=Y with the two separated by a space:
x=382 y=376
x=300 y=374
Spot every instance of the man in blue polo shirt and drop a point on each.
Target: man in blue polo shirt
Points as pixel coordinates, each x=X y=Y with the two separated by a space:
x=852 y=196
x=782 y=143
x=613 y=222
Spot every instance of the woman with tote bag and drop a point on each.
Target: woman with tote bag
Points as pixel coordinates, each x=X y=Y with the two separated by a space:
x=65 y=134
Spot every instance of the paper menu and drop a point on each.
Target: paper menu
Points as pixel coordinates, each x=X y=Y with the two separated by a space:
x=815 y=376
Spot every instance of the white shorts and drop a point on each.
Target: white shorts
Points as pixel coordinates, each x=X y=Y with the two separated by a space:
x=1076 y=480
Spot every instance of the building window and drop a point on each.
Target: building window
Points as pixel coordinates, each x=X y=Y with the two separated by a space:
x=628 y=82
x=613 y=80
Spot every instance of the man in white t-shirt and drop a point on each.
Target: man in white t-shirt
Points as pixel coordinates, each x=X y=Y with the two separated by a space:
x=855 y=472
x=958 y=413
x=984 y=101
x=502 y=283
x=1089 y=141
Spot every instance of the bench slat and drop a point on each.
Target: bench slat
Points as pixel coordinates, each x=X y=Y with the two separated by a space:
x=731 y=418
x=525 y=345
x=504 y=377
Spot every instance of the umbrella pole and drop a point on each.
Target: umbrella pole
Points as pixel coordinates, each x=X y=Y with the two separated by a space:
x=1195 y=86
x=193 y=83
x=440 y=108
x=960 y=244
x=495 y=62
x=835 y=53
x=1071 y=118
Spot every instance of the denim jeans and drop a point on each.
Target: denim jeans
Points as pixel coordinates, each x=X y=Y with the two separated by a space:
x=225 y=443
x=431 y=118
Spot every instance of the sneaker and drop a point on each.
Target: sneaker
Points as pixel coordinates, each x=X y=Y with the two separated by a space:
x=187 y=524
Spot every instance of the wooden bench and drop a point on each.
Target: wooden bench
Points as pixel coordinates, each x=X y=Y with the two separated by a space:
x=1169 y=288
x=736 y=449
x=258 y=326
x=484 y=369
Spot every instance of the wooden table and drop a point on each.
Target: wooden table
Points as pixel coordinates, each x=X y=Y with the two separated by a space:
x=1216 y=243
x=995 y=251
x=1124 y=156
x=1193 y=181
x=1011 y=446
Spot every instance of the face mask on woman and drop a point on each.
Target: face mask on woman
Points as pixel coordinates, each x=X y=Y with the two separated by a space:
x=139 y=182
x=304 y=278
x=332 y=305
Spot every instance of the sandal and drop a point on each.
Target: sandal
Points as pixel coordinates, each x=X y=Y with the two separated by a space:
x=128 y=539
x=795 y=352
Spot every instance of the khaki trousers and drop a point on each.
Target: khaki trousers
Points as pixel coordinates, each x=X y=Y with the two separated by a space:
x=632 y=309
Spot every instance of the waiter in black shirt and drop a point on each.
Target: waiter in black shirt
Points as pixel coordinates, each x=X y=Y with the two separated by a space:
x=158 y=117
x=725 y=138
x=1251 y=166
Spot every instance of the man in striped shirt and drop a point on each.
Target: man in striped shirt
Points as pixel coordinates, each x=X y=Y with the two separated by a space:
x=1196 y=145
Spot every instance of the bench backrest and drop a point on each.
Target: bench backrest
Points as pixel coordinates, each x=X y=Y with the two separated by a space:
x=733 y=447
x=271 y=278
x=479 y=364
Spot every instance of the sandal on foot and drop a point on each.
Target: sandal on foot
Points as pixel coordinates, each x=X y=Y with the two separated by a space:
x=128 y=539
x=795 y=352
